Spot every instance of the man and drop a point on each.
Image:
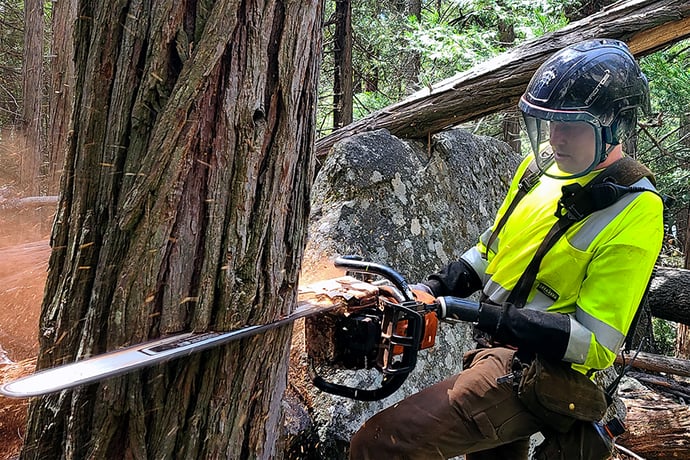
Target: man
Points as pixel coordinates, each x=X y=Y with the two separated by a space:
x=583 y=294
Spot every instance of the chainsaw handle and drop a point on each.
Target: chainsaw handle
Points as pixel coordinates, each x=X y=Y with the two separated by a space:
x=356 y=264
x=458 y=309
x=389 y=385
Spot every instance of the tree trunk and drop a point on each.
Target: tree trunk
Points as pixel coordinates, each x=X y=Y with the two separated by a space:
x=183 y=206
x=342 y=59
x=510 y=123
x=646 y=25
x=62 y=87
x=669 y=297
x=32 y=96
x=656 y=363
x=683 y=331
x=411 y=59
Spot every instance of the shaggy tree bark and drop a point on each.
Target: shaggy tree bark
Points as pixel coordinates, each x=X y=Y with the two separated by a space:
x=183 y=207
x=32 y=71
x=62 y=87
x=646 y=25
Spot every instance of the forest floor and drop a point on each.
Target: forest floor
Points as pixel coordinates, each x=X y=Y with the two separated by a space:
x=24 y=253
x=22 y=277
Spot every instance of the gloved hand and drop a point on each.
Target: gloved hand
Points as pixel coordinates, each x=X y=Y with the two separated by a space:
x=423 y=294
x=421 y=287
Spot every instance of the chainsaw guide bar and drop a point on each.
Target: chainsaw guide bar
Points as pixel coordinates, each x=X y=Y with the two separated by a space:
x=313 y=299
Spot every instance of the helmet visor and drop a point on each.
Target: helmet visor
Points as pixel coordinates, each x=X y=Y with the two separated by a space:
x=564 y=149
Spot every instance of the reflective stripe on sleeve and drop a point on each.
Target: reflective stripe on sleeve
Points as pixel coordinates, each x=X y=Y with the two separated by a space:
x=473 y=257
x=582 y=326
x=606 y=335
x=484 y=240
x=578 y=343
x=540 y=301
x=495 y=292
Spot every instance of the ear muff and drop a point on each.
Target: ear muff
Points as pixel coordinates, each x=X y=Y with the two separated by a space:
x=621 y=128
x=608 y=134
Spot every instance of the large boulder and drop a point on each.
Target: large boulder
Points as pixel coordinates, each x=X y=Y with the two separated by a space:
x=410 y=205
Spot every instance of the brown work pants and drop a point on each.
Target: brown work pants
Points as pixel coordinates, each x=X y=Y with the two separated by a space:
x=470 y=413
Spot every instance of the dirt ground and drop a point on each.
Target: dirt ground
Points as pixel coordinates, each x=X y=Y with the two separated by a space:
x=22 y=278
x=24 y=253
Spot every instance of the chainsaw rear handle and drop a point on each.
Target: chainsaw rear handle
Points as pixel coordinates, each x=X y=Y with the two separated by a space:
x=357 y=264
x=458 y=309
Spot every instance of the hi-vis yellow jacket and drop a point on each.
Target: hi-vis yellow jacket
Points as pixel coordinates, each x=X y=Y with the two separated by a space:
x=596 y=274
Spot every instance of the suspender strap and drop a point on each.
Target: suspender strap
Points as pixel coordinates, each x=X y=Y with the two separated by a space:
x=518 y=295
x=527 y=182
x=577 y=203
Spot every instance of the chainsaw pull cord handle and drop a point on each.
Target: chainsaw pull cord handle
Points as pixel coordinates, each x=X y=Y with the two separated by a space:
x=357 y=264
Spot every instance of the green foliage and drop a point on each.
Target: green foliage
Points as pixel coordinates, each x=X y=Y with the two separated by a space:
x=669 y=79
x=11 y=55
x=664 y=139
x=451 y=43
x=396 y=52
x=664 y=336
x=380 y=57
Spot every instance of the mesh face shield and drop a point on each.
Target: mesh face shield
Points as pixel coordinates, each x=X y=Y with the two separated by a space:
x=565 y=145
x=596 y=86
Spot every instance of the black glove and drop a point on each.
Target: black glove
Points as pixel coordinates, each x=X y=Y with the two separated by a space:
x=534 y=330
x=456 y=279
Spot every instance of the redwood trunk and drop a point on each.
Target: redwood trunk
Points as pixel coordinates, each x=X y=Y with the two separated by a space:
x=32 y=96
x=183 y=206
x=62 y=88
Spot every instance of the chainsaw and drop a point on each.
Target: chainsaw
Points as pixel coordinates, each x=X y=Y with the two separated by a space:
x=350 y=323
x=385 y=334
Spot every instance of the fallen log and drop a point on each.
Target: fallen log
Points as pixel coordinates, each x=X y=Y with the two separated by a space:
x=663 y=384
x=657 y=427
x=28 y=202
x=646 y=25
x=657 y=363
x=669 y=296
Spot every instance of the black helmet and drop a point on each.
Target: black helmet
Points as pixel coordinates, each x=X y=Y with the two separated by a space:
x=594 y=81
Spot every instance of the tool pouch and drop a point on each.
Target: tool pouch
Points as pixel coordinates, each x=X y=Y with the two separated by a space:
x=559 y=395
x=584 y=441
